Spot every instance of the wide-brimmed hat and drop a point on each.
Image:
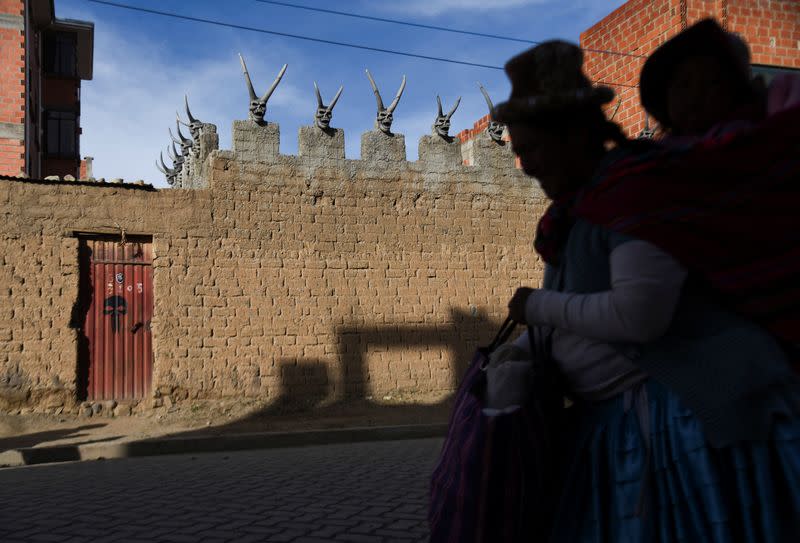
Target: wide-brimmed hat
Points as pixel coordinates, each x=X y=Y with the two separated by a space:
x=706 y=37
x=547 y=79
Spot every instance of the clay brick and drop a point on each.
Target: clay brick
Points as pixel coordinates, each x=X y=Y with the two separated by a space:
x=255 y=285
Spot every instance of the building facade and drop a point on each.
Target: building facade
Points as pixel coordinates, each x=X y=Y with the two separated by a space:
x=43 y=60
x=638 y=27
x=770 y=27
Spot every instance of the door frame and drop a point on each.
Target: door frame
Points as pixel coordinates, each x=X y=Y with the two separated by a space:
x=84 y=301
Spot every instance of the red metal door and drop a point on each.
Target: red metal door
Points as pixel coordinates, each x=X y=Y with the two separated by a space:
x=118 y=321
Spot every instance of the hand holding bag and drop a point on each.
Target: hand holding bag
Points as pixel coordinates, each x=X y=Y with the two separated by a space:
x=508 y=376
x=496 y=478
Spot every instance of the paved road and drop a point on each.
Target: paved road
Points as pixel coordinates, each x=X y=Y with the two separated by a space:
x=363 y=492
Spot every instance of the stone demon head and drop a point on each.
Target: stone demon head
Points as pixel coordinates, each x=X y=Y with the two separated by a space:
x=385 y=117
x=495 y=129
x=177 y=158
x=441 y=125
x=324 y=114
x=258 y=106
x=184 y=142
x=170 y=173
x=195 y=126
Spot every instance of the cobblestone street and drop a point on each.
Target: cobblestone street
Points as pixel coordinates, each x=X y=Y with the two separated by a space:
x=362 y=492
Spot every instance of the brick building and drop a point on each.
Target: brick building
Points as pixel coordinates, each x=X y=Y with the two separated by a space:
x=43 y=60
x=638 y=27
x=770 y=27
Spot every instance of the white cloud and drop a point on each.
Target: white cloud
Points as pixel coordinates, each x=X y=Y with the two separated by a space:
x=137 y=87
x=131 y=102
x=433 y=8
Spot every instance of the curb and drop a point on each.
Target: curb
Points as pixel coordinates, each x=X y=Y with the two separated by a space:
x=215 y=443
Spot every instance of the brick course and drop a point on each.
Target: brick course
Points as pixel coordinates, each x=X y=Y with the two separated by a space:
x=289 y=278
x=638 y=27
x=12 y=88
x=771 y=28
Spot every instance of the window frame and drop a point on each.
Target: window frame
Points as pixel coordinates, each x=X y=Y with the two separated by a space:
x=64 y=115
x=769 y=71
x=53 y=61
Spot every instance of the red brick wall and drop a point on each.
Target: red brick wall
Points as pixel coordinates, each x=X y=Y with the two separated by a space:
x=12 y=89
x=759 y=21
x=479 y=126
x=637 y=27
x=771 y=27
x=469 y=133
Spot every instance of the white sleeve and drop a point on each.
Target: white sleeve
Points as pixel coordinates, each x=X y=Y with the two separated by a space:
x=646 y=284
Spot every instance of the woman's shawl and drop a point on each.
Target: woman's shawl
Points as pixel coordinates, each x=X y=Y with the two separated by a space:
x=728 y=208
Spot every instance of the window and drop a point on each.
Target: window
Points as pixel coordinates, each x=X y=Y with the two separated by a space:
x=61 y=134
x=769 y=72
x=60 y=54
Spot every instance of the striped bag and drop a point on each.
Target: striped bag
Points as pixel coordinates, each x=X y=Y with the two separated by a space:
x=496 y=478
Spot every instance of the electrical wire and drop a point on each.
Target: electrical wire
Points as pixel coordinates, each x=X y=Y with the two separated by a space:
x=433 y=27
x=288 y=35
x=312 y=39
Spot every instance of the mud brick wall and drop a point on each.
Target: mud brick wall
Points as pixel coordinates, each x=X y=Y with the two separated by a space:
x=39 y=273
x=288 y=277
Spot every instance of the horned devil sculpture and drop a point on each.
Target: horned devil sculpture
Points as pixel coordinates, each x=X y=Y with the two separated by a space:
x=441 y=125
x=176 y=157
x=258 y=106
x=385 y=114
x=324 y=114
x=184 y=142
x=194 y=126
x=495 y=129
x=171 y=173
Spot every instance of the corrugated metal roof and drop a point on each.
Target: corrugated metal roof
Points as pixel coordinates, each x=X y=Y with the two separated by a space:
x=137 y=185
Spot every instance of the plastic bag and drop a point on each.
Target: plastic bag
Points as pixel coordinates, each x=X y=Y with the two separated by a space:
x=508 y=377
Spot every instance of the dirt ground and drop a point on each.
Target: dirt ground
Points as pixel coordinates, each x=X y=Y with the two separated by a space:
x=217 y=417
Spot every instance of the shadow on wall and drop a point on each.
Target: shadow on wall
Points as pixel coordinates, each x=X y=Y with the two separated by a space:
x=306 y=383
x=305 y=389
x=354 y=344
x=78 y=319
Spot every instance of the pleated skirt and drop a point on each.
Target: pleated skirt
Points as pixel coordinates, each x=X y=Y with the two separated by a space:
x=671 y=485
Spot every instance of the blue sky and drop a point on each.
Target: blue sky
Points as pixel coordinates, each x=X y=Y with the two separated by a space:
x=143 y=65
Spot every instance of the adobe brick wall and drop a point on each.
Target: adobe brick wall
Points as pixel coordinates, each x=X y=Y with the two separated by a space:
x=39 y=274
x=12 y=87
x=286 y=277
x=771 y=27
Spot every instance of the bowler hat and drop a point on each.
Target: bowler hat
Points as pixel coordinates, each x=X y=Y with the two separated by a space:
x=548 y=79
x=706 y=37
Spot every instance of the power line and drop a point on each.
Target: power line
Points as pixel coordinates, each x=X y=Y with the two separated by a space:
x=433 y=27
x=309 y=38
x=296 y=36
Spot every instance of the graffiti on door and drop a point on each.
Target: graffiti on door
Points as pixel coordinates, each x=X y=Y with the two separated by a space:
x=116 y=307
